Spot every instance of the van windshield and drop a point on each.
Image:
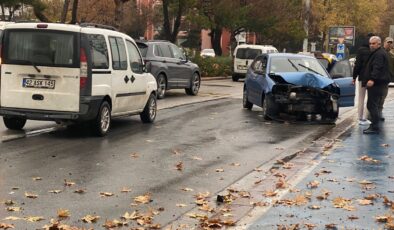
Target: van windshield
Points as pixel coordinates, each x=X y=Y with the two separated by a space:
x=247 y=53
x=48 y=48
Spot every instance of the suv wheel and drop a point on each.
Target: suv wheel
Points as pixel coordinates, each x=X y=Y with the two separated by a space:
x=195 y=85
x=14 y=123
x=148 y=115
x=103 y=121
x=235 y=77
x=161 y=86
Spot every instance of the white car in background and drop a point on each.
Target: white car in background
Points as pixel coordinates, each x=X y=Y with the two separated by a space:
x=207 y=53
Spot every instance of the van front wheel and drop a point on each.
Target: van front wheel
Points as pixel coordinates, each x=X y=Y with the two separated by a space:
x=148 y=115
x=103 y=120
x=14 y=123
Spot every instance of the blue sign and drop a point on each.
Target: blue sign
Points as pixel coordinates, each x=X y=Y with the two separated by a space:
x=340 y=56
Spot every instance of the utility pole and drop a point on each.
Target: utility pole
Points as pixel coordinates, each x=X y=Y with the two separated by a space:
x=307 y=9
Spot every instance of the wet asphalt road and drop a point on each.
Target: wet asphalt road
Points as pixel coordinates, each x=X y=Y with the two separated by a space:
x=204 y=137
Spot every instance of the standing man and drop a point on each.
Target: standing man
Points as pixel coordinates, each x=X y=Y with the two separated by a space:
x=358 y=73
x=388 y=46
x=377 y=80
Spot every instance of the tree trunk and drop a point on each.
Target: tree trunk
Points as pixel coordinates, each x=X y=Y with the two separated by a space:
x=3 y=12
x=171 y=34
x=216 y=36
x=63 y=17
x=74 y=12
x=166 y=21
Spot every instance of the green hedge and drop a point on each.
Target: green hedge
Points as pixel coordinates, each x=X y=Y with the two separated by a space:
x=213 y=67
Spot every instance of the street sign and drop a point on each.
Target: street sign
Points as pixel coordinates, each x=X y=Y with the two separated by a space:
x=340 y=51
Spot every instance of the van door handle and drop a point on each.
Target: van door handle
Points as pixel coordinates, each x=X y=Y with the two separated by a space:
x=132 y=79
x=126 y=79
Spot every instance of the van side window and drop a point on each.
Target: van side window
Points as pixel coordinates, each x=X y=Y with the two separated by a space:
x=118 y=50
x=99 y=50
x=165 y=50
x=135 y=58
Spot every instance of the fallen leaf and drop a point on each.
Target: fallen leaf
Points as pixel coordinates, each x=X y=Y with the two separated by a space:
x=125 y=190
x=219 y=170
x=131 y=216
x=365 y=182
x=13 y=218
x=300 y=200
x=383 y=218
x=310 y=226
x=31 y=195
x=37 y=178
x=6 y=226
x=331 y=226
x=63 y=213
x=109 y=224
x=134 y=155
x=385 y=145
x=281 y=184
x=80 y=191
x=368 y=159
x=143 y=199
x=365 y=202
x=257 y=170
x=9 y=202
x=55 y=191
x=269 y=193
x=352 y=217
x=258 y=182
x=187 y=189
x=340 y=202
x=259 y=204
x=206 y=208
x=313 y=184
x=179 y=166
x=106 y=194
x=279 y=174
x=90 y=219
x=244 y=194
x=288 y=165
x=372 y=196
x=197 y=158
x=176 y=151
x=314 y=207
x=14 y=209
x=34 y=218
x=197 y=216
x=333 y=180
x=235 y=164
x=181 y=205
x=68 y=183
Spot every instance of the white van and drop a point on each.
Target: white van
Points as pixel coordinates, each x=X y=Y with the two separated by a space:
x=74 y=73
x=244 y=55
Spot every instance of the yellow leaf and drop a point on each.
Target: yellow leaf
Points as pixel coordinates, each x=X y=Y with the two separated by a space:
x=134 y=155
x=187 y=189
x=205 y=207
x=131 y=216
x=34 y=218
x=270 y=193
x=68 y=183
x=288 y=165
x=37 y=178
x=6 y=226
x=314 y=207
x=219 y=170
x=55 y=191
x=313 y=184
x=9 y=202
x=281 y=183
x=13 y=218
x=143 y=199
x=365 y=182
x=31 y=195
x=14 y=209
x=365 y=202
x=125 y=189
x=106 y=194
x=63 y=213
x=181 y=205
x=90 y=219
x=197 y=216
x=235 y=164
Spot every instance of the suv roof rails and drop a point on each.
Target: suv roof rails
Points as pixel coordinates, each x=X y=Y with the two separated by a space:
x=95 y=25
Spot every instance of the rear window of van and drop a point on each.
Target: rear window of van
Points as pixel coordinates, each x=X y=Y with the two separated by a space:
x=39 y=47
x=247 y=53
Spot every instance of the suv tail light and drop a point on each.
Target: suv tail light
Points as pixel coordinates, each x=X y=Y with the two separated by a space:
x=83 y=68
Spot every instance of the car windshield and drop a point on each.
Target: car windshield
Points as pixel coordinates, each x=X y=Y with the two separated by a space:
x=50 y=48
x=247 y=53
x=296 y=64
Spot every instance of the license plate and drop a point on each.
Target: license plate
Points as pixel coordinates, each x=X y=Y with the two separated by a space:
x=38 y=83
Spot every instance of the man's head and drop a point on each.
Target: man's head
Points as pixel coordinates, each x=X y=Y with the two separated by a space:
x=388 y=43
x=375 y=43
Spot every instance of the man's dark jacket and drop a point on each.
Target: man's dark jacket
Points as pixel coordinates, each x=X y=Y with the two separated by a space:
x=361 y=61
x=377 y=68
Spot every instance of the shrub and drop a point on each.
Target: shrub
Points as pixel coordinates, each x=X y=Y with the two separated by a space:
x=212 y=67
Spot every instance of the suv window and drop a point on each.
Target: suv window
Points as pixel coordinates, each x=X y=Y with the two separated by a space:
x=143 y=48
x=135 y=58
x=177 y=53
x=157 y=51
x=118 y=50
x=247 y=53
x=99 y=50
x=50 y=48
x=165 y=50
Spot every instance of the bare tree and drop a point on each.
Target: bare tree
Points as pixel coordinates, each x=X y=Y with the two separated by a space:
x=119 y=12
x=74 y=12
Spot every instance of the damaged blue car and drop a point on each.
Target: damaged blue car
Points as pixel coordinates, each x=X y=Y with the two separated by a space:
x=298 y=86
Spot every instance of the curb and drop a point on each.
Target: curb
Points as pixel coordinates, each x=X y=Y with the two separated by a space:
x=215 y=78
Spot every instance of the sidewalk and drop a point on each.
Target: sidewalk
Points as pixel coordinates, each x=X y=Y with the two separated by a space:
x=350 y=187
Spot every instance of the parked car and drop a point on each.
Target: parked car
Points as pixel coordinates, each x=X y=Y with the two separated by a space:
x=72 y=73
x=207 y=53
x=298 y=85
x=170 y=66
x=244 y=55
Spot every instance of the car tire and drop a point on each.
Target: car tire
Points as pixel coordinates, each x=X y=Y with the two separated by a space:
x=329 y=118
x=194 y=85
x=161 y=86
x=265 y=109
x=235 y=78
x=102 y=122
x=245 y=102
x=14 y=123
x=148 y=115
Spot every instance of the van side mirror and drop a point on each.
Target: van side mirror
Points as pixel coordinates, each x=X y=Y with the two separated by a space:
x=147 y=67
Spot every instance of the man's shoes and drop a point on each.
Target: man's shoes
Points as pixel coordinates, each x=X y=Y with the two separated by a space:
x=382 y=119
x=364 y=122
x=371 y=130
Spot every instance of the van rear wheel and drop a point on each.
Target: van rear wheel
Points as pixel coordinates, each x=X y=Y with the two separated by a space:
x=102 y=122
x=14 y=123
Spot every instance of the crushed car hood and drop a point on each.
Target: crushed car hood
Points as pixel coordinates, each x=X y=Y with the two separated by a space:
x=304 y=79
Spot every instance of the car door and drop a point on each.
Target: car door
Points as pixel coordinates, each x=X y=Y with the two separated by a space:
x=341 y=73
x=182 y=67
x=121 y=90
x=168 y=60
x=256 y=80
x=137 y=82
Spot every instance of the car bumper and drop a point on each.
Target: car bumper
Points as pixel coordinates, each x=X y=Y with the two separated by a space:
x=87 y=111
